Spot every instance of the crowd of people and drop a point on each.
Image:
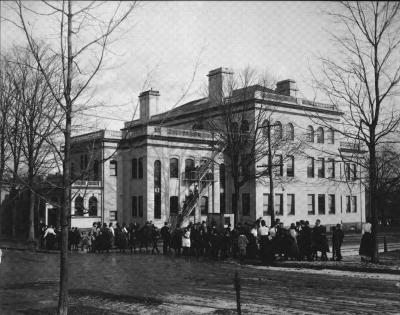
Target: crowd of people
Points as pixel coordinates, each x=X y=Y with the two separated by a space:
x=248 y=241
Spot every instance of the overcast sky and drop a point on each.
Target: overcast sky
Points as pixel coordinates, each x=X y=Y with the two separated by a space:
x=167 y=39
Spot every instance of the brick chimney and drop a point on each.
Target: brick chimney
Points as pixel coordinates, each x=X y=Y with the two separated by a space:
x=149 y=104
x=287 y=87
x=218 y=82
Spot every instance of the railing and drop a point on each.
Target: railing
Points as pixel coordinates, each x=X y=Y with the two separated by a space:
x=86 y=183
x=113 y=134
x=168 y=132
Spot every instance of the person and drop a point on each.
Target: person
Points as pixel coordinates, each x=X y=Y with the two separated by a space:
x=50 y=236
x=186 y=241
x=242 y=244
x=366 y=246
x=265 y=247
x=320 y=240
x=337 y=240
x=154 y=237
x=111 y=235
x=166 y=237
x=293 y=249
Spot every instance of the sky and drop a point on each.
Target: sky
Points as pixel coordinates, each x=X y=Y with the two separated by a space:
x=171 y=47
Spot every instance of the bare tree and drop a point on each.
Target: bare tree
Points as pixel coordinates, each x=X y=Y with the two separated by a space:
x=83 y=41
x=363 y=81
x=248 y=135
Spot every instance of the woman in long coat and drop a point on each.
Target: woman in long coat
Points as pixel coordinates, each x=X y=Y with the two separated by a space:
x=366 y=246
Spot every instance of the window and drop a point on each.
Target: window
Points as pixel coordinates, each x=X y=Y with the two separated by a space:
x=82 y=163
x=310 y=167
x=140 y=206
x=331 y=136
x=222 y=178
x=222 y=204
x=173 y=168
x=245 y=126
x=310 y=134
x=354 y=171
x=347 y=204
x=79 y=205
x=157 y=176
x=311 y=204
x=113 y=168
x=354 y=203
x=92 y=206
x=246 y=204
x=331 y=204
x=173 y=205
x=321 y=204
x=204 y=205
x=96 y=170
x=321 y=168
x=157 y=206
x=134 y=207
x=86 y=161
x=134 y=168
x=331 y=168
x=320 y=135
x=290 y=166
x=290 y=204
x=266 y=209
x=347 y=171
x=278 y=204
x=234 y=204
x=189 y=169
x=72 y=170
x=278 y=165
x=140 y=164
x=113 y=216
x=265 y=127
x=290 y=131
x=278 y=130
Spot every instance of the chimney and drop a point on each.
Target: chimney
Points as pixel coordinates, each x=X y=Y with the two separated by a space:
x=148 y=104
x=218 y=83
x=287 y=87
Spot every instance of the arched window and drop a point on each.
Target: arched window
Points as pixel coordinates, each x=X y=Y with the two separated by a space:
x=265 y=128
x=189 y=168
x=93 y=206
x=173 y=168
x=278 y=130
x=310 y=134
x=113 y=168
x=331 y=136
x=245 y=126
x=320 y=135
x=157 y=174
x=173 y=205
x=96 y=170
x=290 y=131
x=79 y=205
x=204 y=205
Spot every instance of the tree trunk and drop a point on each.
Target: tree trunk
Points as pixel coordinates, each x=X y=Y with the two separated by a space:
x=31 y=234
x=236 y=201
x=374 y=196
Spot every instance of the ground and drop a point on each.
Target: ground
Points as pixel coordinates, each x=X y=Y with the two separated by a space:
x=153 y=284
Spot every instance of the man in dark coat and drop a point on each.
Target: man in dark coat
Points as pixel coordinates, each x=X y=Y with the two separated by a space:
x=337 y=240
x=166 y=237
x=320 y=240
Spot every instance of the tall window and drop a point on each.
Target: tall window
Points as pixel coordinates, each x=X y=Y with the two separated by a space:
x=113 y=168
x=96 y=170
x=222 y=203
x=290 y=204
x=204 y=205
x=79 y=205
x=134 y=207
x=246 y=204
x=354 y=203
x=311 y=204
x=279 y=204
x=347 y=171
x=72 y=170
x=331 y=168
x=173 y=205
x=331 y=136
x=134 y=168
x=348 y=210
x=278 y=165
x=290 y=131
x=321 y=204
x=222 y=188
x=173 y=168
x=321 y=168
x=234 y=204
x=157 y=206
x=245 y=126
x=140 y=206
x=354 y=171
x=157 y=189
x=290 y=166
x=278 y=130
x=310 y=134
x=140 y=165
x=320 y=135
x=266 y=210
x=331 y=204
x=189 y=168
x=310 y=167
x=93 y=206
x=82 y=165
